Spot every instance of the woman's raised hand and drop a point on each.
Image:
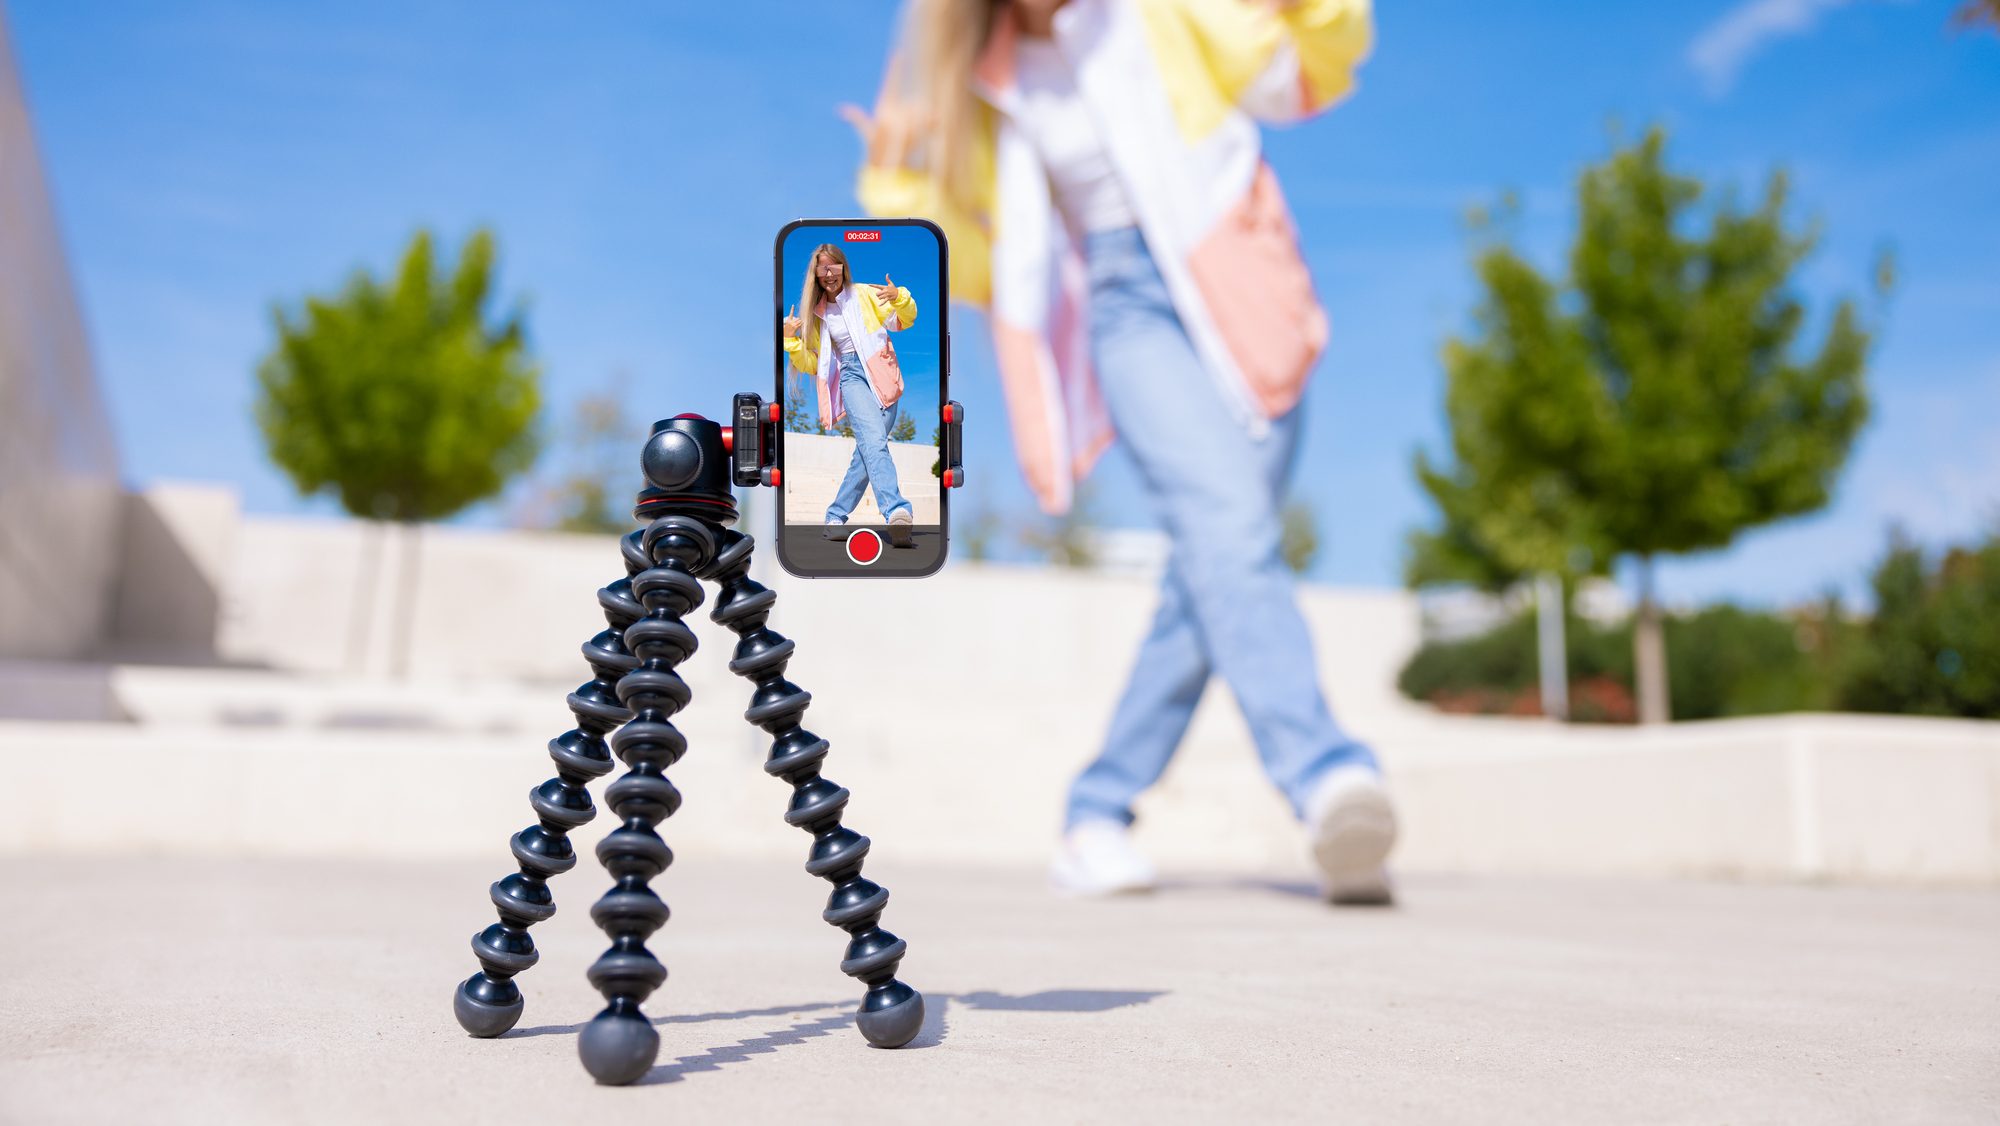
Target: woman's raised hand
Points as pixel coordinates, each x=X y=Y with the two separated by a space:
x=792 y=322
x=889 y=136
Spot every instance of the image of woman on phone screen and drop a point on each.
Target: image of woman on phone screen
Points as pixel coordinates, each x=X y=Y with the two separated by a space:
x=842 y=341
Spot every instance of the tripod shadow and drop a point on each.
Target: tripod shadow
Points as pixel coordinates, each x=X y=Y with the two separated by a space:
x=839 y=1016
x=716 y=1058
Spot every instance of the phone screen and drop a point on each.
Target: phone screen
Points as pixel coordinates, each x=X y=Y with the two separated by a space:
x=862 y=358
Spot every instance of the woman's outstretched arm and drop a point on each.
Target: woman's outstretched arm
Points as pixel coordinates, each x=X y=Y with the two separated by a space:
x=1277 y=60
x=795 y=346
x=898 y=305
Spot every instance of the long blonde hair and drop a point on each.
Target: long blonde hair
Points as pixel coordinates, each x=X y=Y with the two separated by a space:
x=932 y=66
x=810 y=294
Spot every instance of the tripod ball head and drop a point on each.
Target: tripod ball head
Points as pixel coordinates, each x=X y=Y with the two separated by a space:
x=672 y=460
x=686 y=463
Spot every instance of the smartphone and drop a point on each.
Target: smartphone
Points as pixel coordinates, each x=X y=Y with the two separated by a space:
x=863 y=370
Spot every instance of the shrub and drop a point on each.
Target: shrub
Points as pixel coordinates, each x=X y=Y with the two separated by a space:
x=1933 y=647
x=1723 y=660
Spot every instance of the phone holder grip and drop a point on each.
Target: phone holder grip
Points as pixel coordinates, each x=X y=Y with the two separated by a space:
x=752 y=440
x=953 y=454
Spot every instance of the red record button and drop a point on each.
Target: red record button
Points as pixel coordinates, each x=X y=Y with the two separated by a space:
x=864 y=547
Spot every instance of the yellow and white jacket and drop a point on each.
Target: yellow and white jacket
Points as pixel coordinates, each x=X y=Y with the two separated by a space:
x=872 y=312
x=1177 y=88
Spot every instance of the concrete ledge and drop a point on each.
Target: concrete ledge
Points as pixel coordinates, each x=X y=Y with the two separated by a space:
x=1795 y=797
x=1807 y=797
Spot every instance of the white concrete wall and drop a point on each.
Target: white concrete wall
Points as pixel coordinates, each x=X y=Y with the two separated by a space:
x=959 y=708
x=174 y=567
x=1801 y=796
x=968 y=779
x=325 y=596
x=59 y=491
x=511 y=605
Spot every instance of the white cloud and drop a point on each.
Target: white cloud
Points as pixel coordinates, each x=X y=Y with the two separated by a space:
x=1722 y=49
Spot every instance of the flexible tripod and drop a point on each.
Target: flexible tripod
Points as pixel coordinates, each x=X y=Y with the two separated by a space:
x=690 y=464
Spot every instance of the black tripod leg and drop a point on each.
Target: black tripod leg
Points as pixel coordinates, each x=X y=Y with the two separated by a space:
x=620 y=1044
x=489 y=1003
x=892 y=1012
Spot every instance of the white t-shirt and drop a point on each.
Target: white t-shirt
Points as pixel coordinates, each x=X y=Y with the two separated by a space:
x=836 y=321
x=1058 y=125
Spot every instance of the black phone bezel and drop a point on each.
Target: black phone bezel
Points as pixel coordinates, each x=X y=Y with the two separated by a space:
x=779 y=363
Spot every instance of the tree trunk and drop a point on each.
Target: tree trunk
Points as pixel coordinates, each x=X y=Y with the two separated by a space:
x=406 y=593
x=1551 y=645
x=362 y=612
x=1649 y=651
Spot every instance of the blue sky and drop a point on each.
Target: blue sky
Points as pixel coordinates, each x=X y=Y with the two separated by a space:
x=211 y=158
x=908 y=255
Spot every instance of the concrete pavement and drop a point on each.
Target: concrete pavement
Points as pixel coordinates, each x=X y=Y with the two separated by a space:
x=316 y=991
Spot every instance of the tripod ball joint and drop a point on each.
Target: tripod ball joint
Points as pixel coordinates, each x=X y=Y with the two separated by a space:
x=672 y=460
x=687 y=471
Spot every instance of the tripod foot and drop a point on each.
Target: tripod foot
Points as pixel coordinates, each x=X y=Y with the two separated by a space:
x=618 y=1048
x=891 y=1015
x=486 y=1007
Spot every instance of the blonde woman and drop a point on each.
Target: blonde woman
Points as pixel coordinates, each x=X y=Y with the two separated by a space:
x=1097 y=166
x=842 y=341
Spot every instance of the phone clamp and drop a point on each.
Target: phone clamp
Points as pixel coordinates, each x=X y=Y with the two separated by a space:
x=952 y=456
x=690 y=466
x=751 y=440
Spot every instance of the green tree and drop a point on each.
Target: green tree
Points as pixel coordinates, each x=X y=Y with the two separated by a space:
x=600 y=444
x=1506 y=510
x=905 y=430
x=1507 y=504
x=403 y=397
x=974 y=531
x=1067 y=540
x=799 y=417
x=1727 y=661
x=1933 y=645
x=1655 y=402
x=1298 y=536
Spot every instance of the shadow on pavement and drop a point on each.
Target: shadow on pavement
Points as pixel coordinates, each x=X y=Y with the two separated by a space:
x=930 y=1036
x=1298 y=889
x=713 y=1059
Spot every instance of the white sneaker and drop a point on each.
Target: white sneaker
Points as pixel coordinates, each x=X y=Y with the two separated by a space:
x=899 y=529
x=1097 y=858
x=836 y=529
x=1352 y=826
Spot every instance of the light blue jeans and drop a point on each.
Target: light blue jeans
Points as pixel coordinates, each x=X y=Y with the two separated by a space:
x=871 y=463
x=1226 y=601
